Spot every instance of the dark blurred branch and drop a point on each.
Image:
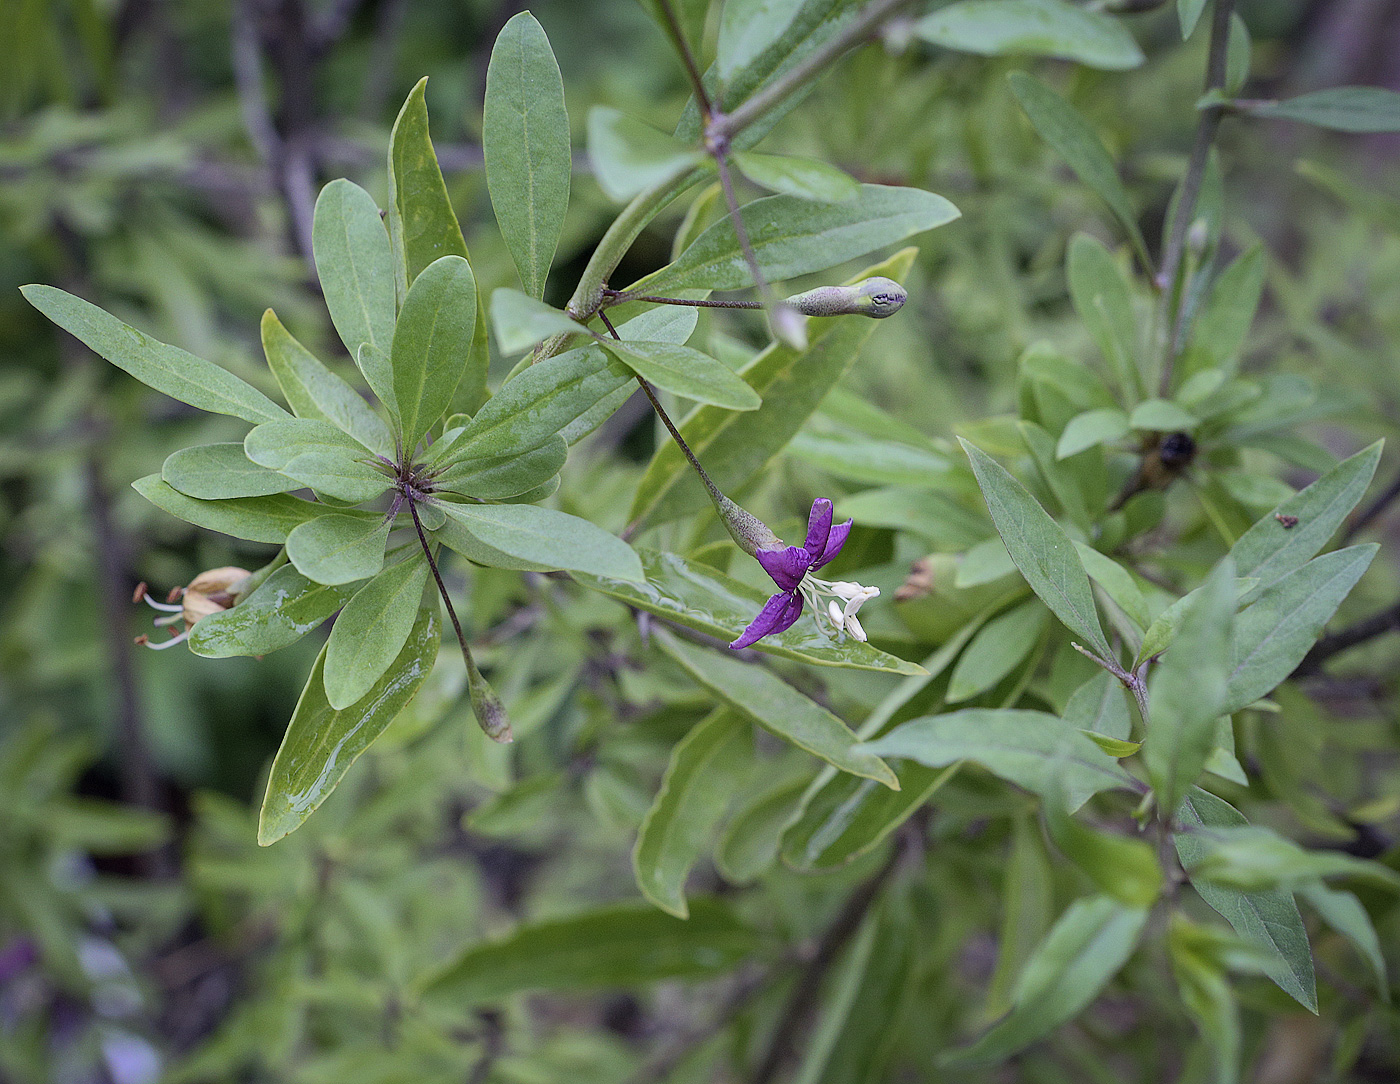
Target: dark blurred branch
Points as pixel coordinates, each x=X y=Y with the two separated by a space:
x=1344 y=639
x=332 y=24
x=1372 y=511
x=660 y=1068
x=379 y=72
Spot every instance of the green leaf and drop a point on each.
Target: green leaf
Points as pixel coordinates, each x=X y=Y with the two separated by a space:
x=623 y=945
x=431 y=344
x=1041 y=549
x=168 y=369
x=1269 y=550
x=279 y=612
x=1119 y=866
x=215 y=472
x=748 y=845
x=372 y=629
x=520 y=321
x=698 y=597
x=778 y=708
x=629 y=157
x=704 y=767
x=686 y=372
x=525 y=142
x=314 y=392
x=1028 y=889
x=793 y=236
x=257 y=519
x=356 y=269
x=422 y=225
x=1237 y=56
x=1161 y=416
x=1103 y=299
x=747 y=28
x=805 y=178
x=504 y=476
x=1343 y=912
x=1273 y=635
x=1100 y=706
x=1187 y=690
x=1083 y=951
x=1199 y=965
x=1343 y=109
x=1079 y=145
x=549 y=538
x=736 y=446
x=844 y=817
x=1268 y=920
x=321 y=742
x=1225 y=318
x=1032 y=28
x=1253 y=859
x=339 y=548
x=1188 y=13
x=1000 y=646
x=863 y=459
x=319 y=455
x=1117 y=582
x=1036 y=751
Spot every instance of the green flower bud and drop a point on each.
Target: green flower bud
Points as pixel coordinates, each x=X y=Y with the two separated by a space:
x=874 y=297
x=486 y=706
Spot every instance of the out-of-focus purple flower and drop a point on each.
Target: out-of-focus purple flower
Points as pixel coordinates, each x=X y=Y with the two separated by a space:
x=791 y=568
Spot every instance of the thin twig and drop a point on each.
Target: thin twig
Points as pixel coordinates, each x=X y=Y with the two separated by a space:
x=1206 y=128
x=1335 y=643
x=692 y=70
x=1372 y=511
x=619 y=297
x=720 y=150
x=661 y=1067
x=442 y=587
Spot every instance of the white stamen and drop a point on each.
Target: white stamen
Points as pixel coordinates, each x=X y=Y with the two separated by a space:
x=843 y=619
x=166 y=606
x=854 y=626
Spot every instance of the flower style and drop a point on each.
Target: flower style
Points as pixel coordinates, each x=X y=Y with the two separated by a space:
x=791 y=568
x=208 y=593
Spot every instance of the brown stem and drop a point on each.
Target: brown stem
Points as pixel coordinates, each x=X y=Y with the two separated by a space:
x=1372 y=511
x=692 y=70
x=619 y=297
x=1191 y=186
x=1335 y=643
x=442 y=587
x=804 y=995
x=720 y=149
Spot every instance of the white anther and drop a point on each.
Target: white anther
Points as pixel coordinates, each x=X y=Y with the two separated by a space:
x=853 y=626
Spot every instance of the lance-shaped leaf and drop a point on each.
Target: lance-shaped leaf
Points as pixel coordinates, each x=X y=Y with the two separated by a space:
x=1121 y=866
x=1083 y=951
x=503 y=476
x=372 y=629
x=626 y=945
x=1079 y=145
x=521 y=321
x=1103 y=299
x=432 y=342
x=1041 y=549
x=1273 y=635
x=1269 y=920
x=1269 y=550
x=545 y=537
x=283 y=609
x=805 y=178
x=1032 y=28
x=339 y=548
x=1032 y=749
x=778 y=708
x=793 y=236
x=998 y=648
x=1343 y=912
x=1100 y=705
x=257 y=519
x=1186 y=693
x=686 y=372
x=422 y=225
x=322 y=742
x=215 y=472
x=1090 y=429
x=705 y=766
x=735 y=446
x=355 y=266
x=1188 y=14
x=319 y=455
x=748 y=846
x=629 y=156
x=168 y=369
x=747 y=28
x=1343 y=109
x=525 y=142
x=314 y=392
x=698 y=597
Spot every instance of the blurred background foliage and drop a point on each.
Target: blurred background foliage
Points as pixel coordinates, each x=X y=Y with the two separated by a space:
x=161 y=159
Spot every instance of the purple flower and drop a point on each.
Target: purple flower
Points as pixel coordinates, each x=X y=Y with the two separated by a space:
x=789 y=567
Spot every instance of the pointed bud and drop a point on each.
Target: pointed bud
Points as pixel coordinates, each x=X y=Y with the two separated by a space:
x=750 y=532
x=876 y=297
x=789 y=325
x=486 y=706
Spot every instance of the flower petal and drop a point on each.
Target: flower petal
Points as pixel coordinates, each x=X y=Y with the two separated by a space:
x=786 y=566
x=778 y=613
x=834 y=541
x=818 y=526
